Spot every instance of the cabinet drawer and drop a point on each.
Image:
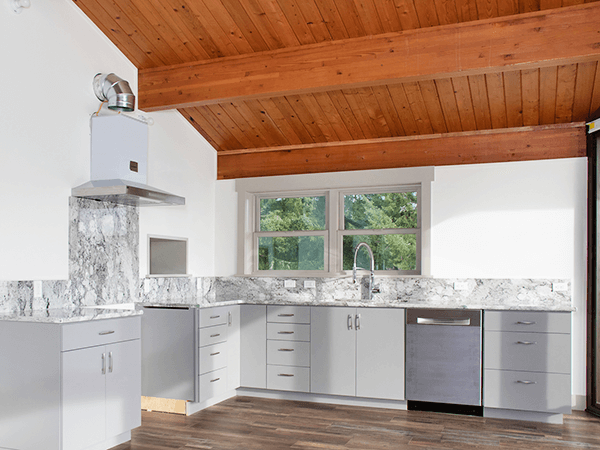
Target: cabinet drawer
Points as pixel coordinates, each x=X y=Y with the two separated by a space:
x=212 y=335
x=213 y=384
x=212 y=357
x=100 y=332
x=288 y=332
x=285 y=378
x=527 y=391
x=288 y=314
x=288 y=353
x=536 y=352
x=213 y=316
x=527 y=321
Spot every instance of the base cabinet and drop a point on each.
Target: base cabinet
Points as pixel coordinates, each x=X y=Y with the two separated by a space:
x=358 y=352
x=253 y=346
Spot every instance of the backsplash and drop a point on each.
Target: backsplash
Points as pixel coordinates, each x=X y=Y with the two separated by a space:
x=104 y=269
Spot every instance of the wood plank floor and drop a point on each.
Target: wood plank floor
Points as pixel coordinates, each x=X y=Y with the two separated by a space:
x=256 y=423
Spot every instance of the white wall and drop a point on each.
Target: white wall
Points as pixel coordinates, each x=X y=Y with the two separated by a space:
x=50 y=54
x=181 y=162
x=226 y=229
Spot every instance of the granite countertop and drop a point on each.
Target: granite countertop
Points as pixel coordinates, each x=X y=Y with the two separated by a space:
x=68 y=315
x=412 y=303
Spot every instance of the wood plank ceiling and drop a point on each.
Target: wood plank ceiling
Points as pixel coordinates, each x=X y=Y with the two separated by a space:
x=157 y=34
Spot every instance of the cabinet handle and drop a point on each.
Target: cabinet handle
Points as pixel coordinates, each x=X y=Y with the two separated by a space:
x=104 y=333
x=285 y=374
x=216 y=379
x=110 y=362
x=526 y=342
x=349 y=321
x=286 y=349
x=229 y=318
x=285 y=332
x=526 y=382
x=214 y=317
x=216 y=353
x=520 y=322
x=215 y=335
x=357 y=321
x=103 y=363
x=285 y=315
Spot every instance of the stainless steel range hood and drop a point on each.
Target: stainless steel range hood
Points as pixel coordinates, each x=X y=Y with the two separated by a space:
x=119 y=161
x=126 y=192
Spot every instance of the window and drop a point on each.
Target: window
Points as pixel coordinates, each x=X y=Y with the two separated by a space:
x=309 y=225
x=388 y=221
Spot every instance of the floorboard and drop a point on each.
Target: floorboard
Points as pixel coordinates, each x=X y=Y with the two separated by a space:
x=266 y=424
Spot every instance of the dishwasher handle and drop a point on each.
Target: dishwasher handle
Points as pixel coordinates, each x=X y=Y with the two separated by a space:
x=460 y=321
x=448 y=317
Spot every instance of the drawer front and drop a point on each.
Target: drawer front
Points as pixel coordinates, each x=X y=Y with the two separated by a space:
x=213 y=316
x=527 y=391
x=212 y=335
x=212 y=357
x=213 y=384
x=285 y=378
x=536 y=352
x=288 y=353
x=100 y=332
x=527 y=321
x=288 y=332
x=288 y=314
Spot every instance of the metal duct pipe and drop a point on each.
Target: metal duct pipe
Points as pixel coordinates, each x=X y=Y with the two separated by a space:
x=115 y=90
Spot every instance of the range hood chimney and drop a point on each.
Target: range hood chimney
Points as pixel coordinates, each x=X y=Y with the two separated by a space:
x=119 y=159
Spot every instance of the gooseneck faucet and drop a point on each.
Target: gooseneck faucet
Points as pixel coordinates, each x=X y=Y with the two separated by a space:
x=372 y=277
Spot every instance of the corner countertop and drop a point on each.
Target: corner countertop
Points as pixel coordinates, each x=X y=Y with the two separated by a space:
x=68 y=315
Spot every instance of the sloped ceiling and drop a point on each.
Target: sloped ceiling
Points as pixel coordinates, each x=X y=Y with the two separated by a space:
x=276 y=85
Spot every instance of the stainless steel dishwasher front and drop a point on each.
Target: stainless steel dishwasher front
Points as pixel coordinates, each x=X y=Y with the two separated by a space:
x=169 y=348
x=443 y=356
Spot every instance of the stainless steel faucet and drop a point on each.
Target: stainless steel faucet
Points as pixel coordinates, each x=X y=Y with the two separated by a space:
x=372 y=287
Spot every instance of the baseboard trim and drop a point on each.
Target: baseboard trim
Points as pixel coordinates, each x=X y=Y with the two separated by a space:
x=193 y=407
x=321 y=398
x=578 y=402
x=111 y=442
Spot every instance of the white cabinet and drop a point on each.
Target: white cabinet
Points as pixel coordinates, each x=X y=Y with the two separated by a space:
x=527 y=362
x=212 y=352
x=233 y=347
x=358 y=352
x=253 y=346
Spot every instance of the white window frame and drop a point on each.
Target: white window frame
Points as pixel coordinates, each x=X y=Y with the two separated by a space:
x=342 y=231
x=333 y=184
x=258 y=233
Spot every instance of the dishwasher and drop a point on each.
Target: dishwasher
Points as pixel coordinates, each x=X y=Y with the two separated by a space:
x=443 y=360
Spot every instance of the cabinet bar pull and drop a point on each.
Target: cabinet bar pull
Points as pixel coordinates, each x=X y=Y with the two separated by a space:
x=103 y=363
x=349 y=321
x=216 y=379
x=526 y=382
x=285 y=315
x=357 y=322
x=285 y=332
x=229 y=319
x=286 y=349
x=285 y=374
x=214 y=317
x=526 y=342
x=216 y=353
x=443 y=321
x=215 y=335
x=104 y=333
x=110 y=362
x=520 y=322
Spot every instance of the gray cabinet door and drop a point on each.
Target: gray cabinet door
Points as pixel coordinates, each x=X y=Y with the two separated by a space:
x=380 y=353
x=233 y=347
x=123 y=387
x=253 y=346
x=333 y=350
x=83 y=397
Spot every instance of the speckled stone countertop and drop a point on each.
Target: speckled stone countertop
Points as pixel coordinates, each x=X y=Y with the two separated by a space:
x=67 y=315
x=201 y=303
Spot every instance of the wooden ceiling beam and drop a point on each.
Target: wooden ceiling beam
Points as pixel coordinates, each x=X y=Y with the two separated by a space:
x=511 y=144
x=537 y=39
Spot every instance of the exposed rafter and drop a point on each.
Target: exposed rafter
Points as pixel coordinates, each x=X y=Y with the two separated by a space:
x=538 y=39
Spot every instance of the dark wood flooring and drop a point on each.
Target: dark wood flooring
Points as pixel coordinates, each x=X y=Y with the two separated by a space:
x=256 y=423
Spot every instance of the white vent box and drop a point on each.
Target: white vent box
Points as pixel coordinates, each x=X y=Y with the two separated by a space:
x=119 y=148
